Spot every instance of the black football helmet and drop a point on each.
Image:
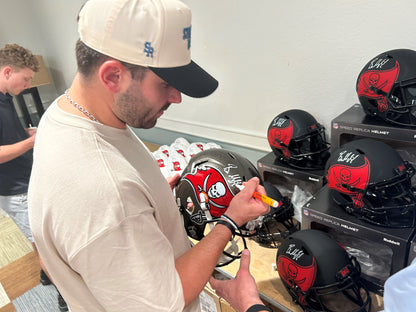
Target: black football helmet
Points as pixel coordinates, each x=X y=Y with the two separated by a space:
x=316 y=271
x=207 y=186
x=386 y=87
x=298 y=140
x=370 y=180
x=276 y=225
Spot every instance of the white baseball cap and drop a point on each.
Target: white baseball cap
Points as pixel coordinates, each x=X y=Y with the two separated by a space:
x=152 y=33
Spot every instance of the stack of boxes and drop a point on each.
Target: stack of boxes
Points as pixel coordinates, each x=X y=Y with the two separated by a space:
x=381 y=251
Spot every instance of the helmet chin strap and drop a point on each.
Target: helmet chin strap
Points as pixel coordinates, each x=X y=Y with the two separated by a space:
x=232 y=252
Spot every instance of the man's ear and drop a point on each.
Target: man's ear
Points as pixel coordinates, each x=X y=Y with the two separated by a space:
x=113 y=75
x=6 y=71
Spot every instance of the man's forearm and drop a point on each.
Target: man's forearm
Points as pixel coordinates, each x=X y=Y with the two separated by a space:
x=12 y=151
x=197 y=264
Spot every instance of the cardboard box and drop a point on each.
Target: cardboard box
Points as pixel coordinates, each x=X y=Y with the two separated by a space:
x=291 y=181
x=226 y=307
x=355 y=124
x=380 y=251
x=210 y=302
x=41 y=77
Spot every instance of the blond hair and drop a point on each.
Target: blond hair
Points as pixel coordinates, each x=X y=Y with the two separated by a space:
x=16 y=56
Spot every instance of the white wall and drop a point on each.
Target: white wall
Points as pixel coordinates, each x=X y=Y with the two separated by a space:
x=268 y=55
x=46 y=27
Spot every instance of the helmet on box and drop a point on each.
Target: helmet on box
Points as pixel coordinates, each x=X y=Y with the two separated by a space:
x=386 y=87
x=315 y=269
x=298 y=140
x=370 y=180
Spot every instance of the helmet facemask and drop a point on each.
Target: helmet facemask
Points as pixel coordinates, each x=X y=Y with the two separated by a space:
x=276 y=225
x=310 y=151
x=348 y=285
x=389 y=203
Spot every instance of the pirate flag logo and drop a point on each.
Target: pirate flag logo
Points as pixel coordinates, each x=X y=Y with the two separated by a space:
x=280 y=138
x=376 y=84
x=211 y=184
x=296 y=275
x=350 y=180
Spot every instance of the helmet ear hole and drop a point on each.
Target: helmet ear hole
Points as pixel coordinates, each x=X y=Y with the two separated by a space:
x=232 y=155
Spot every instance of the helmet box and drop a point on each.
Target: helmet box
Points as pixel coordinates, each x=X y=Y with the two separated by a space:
x=286 y=178
x=381 y=251
x=353 y=124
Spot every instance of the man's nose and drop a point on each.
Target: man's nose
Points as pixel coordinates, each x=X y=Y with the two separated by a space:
x=175 y=96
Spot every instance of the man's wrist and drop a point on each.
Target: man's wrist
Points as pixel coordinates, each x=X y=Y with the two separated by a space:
x=228 y=225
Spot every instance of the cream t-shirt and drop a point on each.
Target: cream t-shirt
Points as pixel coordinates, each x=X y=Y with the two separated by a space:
x=104 y=218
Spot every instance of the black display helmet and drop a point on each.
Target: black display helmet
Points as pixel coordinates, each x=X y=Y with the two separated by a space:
x=370 y=180
x=298 y=140
x=278 y=223
x=316 y=271
x=386 y=87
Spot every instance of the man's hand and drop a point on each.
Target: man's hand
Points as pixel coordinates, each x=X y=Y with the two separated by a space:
x=31 y=132
x=12 y=151
x=243 y=207
x=240 y=292
x=173 y=180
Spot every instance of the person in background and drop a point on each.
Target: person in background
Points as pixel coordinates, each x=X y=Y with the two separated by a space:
x=400 y=290
x=17 y=67
x=104 y=218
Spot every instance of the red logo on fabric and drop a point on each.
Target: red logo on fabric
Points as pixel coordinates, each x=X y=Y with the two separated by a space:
x=342 y=178
x=345 y=271
x=212 y=185
x=161 y=162
x=371 y=82
x=176 y=166
x=295 y=274
x=279 y=136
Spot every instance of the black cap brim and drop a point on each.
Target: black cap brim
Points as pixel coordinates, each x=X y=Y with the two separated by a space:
x=190 y=79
